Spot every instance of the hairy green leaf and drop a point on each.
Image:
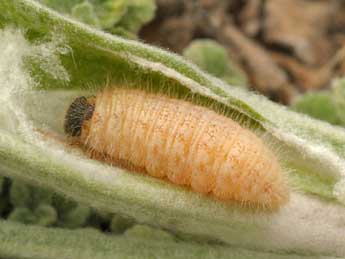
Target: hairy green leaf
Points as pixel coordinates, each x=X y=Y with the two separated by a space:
x=84 y=59
x=17 y=242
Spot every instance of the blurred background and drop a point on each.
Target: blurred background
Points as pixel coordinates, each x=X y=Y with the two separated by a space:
x=284 y=47
x=292 y=51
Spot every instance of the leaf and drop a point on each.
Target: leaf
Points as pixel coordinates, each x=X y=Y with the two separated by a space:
x=110 y=12
x=46 y=215
x=213 y=58
x=76 y=217
x=62 y=6
x=23 y=215
x=43 y=215
x=20 y=194
x=127 y=15
x=85 y=12
x=119 y=224
x=17 y=242
x=313 y=151
x=338 y=93
x=138 y=13
x=319 y=105
x=24 y=195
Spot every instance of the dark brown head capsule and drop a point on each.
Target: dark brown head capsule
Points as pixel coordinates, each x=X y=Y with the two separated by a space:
x=79 y=111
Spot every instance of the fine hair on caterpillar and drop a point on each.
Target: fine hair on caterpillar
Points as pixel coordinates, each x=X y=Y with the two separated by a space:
x=175 y=91
x=184 y=143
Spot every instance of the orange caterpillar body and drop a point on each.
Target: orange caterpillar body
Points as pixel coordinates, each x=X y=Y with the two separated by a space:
x=182 y=142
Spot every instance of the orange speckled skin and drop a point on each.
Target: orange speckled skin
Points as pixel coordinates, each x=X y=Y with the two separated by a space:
x=187 y=144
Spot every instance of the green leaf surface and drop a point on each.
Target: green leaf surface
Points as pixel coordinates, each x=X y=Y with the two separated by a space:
x=43 y=215
x=338 y=92
x=85 y=12
x=312 y=151
x=138 y=13
x=17 y=242
x=20 y=194
x=110 y=12
x=75 y=217
x=319 y=105
x=127 y=15
x=214 y=59
x=62 y=6
x=119 y=223
x=23 y=195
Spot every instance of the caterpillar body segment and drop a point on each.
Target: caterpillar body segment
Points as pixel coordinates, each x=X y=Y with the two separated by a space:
x=179 y=141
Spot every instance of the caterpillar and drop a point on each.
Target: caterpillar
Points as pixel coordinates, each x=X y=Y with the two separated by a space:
x=185 y=143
